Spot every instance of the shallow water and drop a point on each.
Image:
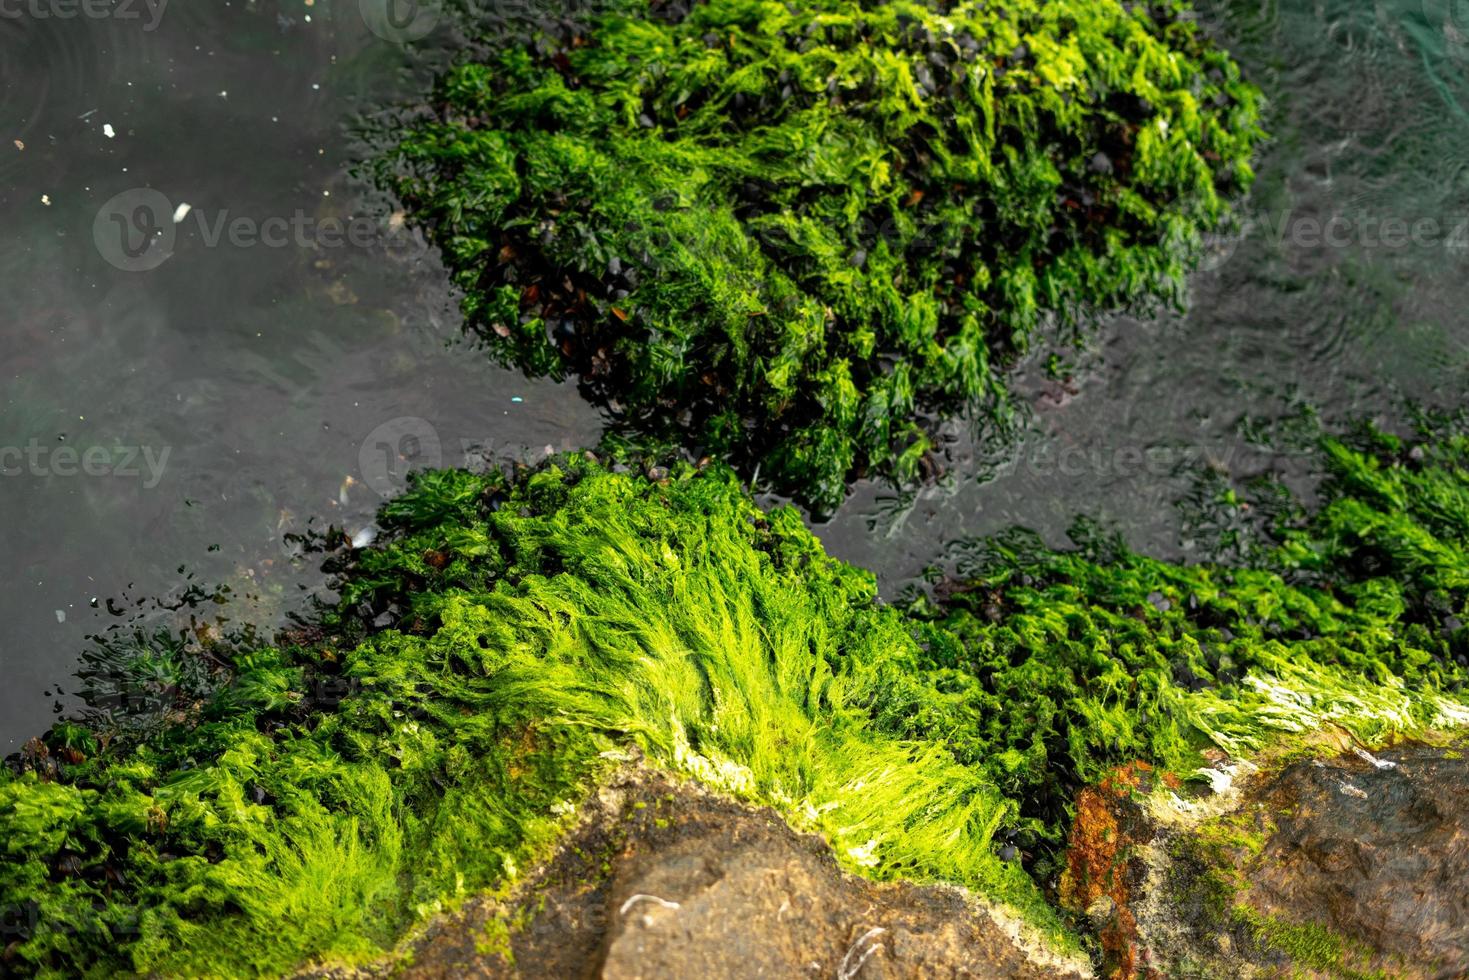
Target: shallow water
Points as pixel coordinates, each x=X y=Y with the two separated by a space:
x=291 y=386
x=260 y=378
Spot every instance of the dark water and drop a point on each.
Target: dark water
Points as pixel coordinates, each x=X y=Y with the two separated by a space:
x=280 y=380
x=290 y=383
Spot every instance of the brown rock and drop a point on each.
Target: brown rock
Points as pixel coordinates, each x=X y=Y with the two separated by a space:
x=1374 y=851
x=1349 y=866
x=665 y=880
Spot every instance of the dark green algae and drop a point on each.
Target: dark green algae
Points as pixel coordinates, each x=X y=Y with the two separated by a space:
x=509 y=639
x=798 y=236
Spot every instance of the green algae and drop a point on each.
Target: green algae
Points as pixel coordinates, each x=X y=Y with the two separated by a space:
x=548 y=628
x=1056 y=666
x=508 y=640
x=794 y=236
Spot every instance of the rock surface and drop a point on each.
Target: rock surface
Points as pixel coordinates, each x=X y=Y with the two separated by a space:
x=665 y=880
x=1377 y=851
x=1351 y=866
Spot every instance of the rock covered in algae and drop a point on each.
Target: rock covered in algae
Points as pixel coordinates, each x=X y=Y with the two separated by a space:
x=794 y=235
x=357 y=778
x=507 y=642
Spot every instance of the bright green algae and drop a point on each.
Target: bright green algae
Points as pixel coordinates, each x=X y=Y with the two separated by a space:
x=1055 y=666
x=797 y=235
x=343 y=787
x=545 y=632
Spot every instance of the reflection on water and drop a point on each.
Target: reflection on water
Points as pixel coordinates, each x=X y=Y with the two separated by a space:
x=279 y=387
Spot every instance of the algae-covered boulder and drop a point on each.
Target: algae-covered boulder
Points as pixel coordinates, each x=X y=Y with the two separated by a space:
x=662 y=878
x=1328 y=862
x=349 y=784
x=795 y=235
x=1058 y=666
x=509 y=641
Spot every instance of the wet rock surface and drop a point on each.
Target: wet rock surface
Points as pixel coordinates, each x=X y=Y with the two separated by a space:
x=1351 y=865
x=1356 y=865
x=664 y=880
x=1377 y=851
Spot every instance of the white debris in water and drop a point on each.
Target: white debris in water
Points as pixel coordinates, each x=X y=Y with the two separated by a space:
x=182 y=211
x=364 y=537
x=61 y=615
x=108 y=131
x=46 y=199
x=1366 y=756
x=1349 y=790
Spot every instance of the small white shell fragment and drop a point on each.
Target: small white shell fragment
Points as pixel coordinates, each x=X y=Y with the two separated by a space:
x=181 y=212
x=640 y=897
x=1220 y=780
x=108 y=131
x=1366 y=756
x=1349 y=790
x=46 y=199
x=364 y=537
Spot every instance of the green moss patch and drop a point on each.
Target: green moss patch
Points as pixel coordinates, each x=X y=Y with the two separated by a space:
x=1056 y=666
x=797 y=235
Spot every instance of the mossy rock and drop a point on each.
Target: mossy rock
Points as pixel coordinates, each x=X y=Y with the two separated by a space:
x=795 y=236
x=507 y=640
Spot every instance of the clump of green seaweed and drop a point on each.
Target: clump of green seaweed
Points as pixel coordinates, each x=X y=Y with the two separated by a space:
x=543 y=629
x=509 y=638
x=1057 y=666
x=797 y=235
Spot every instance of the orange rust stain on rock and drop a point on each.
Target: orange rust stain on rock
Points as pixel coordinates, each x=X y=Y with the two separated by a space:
x=1096 y=867
x=1091 y=853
